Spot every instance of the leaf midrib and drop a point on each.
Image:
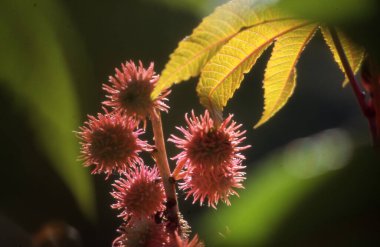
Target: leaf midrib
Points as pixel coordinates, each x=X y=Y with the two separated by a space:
x=249 y=55
x=208 y=48
x=294 y=64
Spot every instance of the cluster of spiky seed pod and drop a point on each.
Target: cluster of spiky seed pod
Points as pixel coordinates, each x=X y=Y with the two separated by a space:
x=211 y=158
x=111 y=144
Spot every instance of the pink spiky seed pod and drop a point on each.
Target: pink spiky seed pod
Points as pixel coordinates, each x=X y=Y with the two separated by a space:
x=140 y=194
x=214 y=184
x=110 y=143
x=207 y=145
x=142 y=233
x=130 y=91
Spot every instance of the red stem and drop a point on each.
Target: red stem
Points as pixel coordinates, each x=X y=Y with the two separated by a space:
x=371 y=80
x=360 y=95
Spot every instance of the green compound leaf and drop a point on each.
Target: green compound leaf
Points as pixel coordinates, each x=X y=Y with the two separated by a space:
x=34 y=67
x=227 y=44
x=194 y=51
x=223 y=74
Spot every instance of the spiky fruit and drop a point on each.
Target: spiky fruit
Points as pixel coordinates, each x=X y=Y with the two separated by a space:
x=130 y=89
x=140 y=194
x=111 y=143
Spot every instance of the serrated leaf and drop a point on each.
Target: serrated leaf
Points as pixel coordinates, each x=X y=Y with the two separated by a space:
x=354 y=53
x=223 y=74
x=280 y=74
x=214 y=31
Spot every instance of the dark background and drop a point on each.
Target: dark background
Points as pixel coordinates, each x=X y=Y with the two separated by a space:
x=33 y=195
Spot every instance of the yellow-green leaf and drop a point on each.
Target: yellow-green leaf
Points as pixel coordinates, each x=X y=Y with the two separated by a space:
x=223 y=74
x=280 y=74
x=214 y=31
x=354 y=53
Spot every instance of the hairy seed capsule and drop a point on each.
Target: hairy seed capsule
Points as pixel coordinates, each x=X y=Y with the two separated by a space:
x=210 y=157
x=140 y=194
x=110 y=143
x=130 y=89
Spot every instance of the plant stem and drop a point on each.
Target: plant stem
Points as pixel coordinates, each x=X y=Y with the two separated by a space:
x=371 y=78
x=360 y=95
x=164 y=169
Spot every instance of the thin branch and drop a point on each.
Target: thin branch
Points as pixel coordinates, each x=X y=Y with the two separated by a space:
x=172 y=211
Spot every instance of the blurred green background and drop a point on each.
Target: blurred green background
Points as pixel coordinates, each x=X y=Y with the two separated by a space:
x=312 y=177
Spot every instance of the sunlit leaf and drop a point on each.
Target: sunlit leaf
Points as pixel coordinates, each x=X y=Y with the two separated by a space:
x=223 y=74
x=34 y=67
x=354 y=53
x=274 y=190
x=215 y=30
x=227 y=44
x=280 y=74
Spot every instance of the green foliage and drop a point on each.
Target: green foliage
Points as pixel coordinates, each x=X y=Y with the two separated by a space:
x=333 y=12
x=228 y=43
x=194 y=51
x=274 y=190
x=280 y=74
x=223 y=74
x=33 y=66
